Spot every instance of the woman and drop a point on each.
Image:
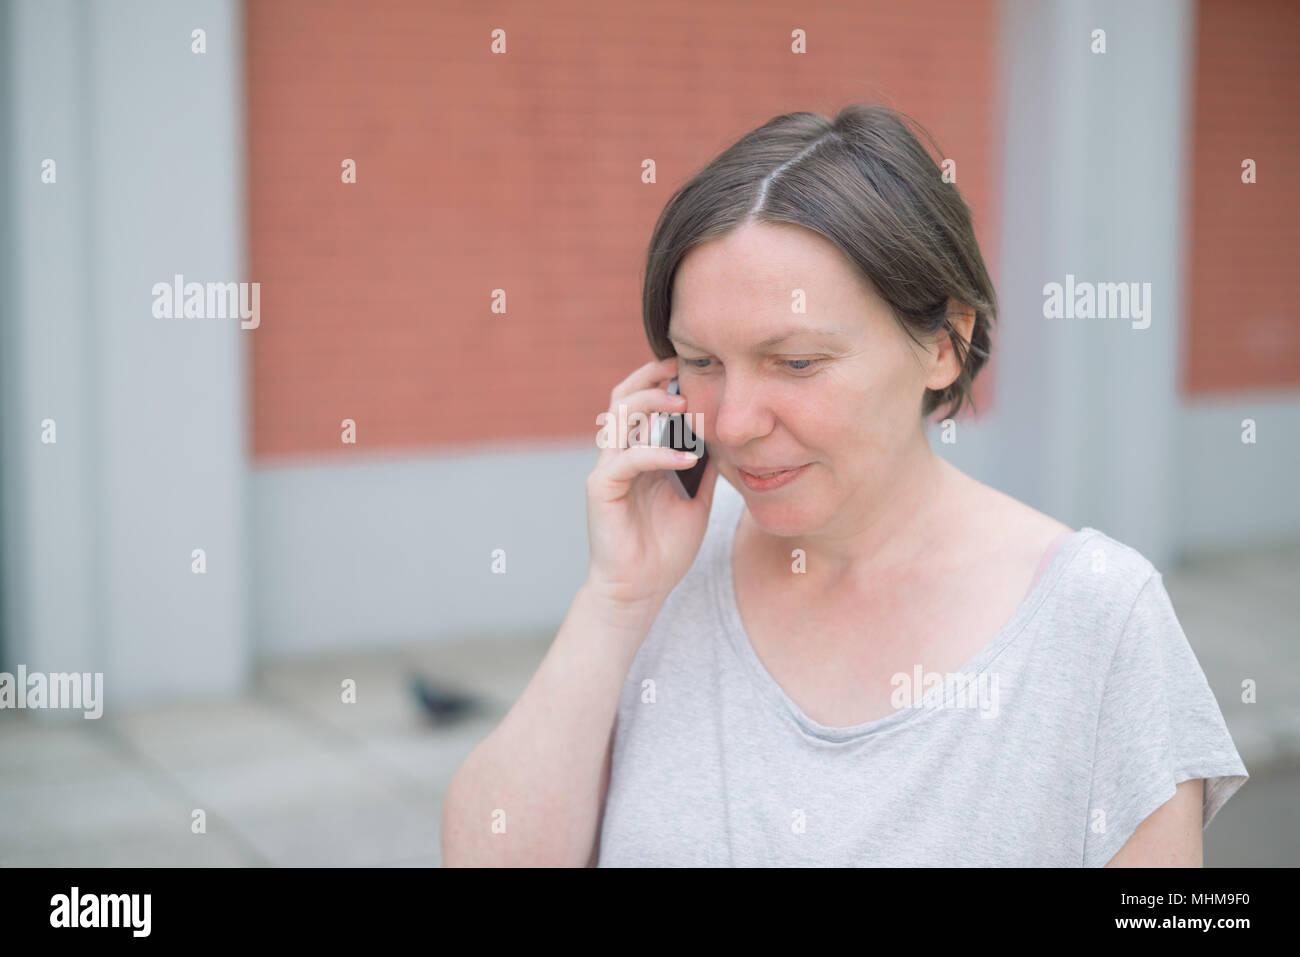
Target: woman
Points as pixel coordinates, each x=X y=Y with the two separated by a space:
x=848 y=652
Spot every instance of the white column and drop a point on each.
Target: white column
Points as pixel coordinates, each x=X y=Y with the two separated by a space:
x=1095 y=155
x=149 y=463
x=49 y=522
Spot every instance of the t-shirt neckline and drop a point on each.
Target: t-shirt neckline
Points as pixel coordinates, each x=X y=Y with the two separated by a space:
x=725 y=594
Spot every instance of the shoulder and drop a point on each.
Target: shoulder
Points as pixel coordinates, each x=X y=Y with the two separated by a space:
x=1020 y=533
x=1101 y=577
x=1093 y=579
x=999 y=531
x=1095 y=570
x=1108 y=610
x=1108 y=570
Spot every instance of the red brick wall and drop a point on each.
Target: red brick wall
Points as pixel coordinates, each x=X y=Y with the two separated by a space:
x=522 y=171
x=1243 y=324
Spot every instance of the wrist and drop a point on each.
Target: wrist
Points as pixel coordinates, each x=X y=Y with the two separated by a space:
x=619 y=608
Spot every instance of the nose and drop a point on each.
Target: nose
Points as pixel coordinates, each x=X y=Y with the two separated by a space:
x=742 y=414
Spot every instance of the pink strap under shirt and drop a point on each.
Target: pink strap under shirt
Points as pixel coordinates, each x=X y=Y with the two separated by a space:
x=1046 y=560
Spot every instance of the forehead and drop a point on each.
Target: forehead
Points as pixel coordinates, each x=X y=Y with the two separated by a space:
x=755 y=274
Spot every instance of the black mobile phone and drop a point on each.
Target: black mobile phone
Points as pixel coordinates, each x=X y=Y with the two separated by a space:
x=673 y=431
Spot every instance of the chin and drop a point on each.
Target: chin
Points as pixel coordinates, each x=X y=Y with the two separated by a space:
x=782 y=519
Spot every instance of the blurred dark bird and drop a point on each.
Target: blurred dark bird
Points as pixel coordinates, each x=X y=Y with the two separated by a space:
x=444 y=705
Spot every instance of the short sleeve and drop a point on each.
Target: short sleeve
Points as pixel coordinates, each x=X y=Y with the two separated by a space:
x=1159 y=725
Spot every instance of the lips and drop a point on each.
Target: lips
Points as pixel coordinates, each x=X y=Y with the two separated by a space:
x=766 y=472
x=771 y=482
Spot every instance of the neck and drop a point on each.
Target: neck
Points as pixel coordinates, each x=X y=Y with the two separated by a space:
x=877 y=535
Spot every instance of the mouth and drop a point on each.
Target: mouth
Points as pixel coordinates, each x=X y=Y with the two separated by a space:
x=765 y=479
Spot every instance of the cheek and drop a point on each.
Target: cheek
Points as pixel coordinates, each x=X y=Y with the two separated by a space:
x=809 y=412
x=891 y=387
x=863 y=408
x=843 y=408
x=842 y=398
x=826 y=416
x=703 y=407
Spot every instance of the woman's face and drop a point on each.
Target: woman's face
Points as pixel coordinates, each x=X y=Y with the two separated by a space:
x=841 y=395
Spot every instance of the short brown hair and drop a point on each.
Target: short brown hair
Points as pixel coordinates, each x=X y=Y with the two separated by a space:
x=865 y=182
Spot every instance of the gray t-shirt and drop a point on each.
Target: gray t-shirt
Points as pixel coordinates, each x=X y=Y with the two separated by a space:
x=1052 y=744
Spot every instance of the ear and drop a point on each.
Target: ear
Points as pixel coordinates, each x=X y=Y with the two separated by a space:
x=946 y=363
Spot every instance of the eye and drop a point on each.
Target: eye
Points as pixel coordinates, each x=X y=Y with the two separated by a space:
x=793 y=365
x=798 y=365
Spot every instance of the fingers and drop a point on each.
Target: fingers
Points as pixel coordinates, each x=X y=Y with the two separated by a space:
x=631 y=413
x=617 y=474
x=643 y=392
x=651 y=400
x=649 y=375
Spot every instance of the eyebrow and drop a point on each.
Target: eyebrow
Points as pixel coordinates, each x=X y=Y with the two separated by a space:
x=771 y=340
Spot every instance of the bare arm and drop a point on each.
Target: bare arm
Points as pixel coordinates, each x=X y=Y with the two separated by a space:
x=1171 y=835
x=533 y=792
x=543 y=772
